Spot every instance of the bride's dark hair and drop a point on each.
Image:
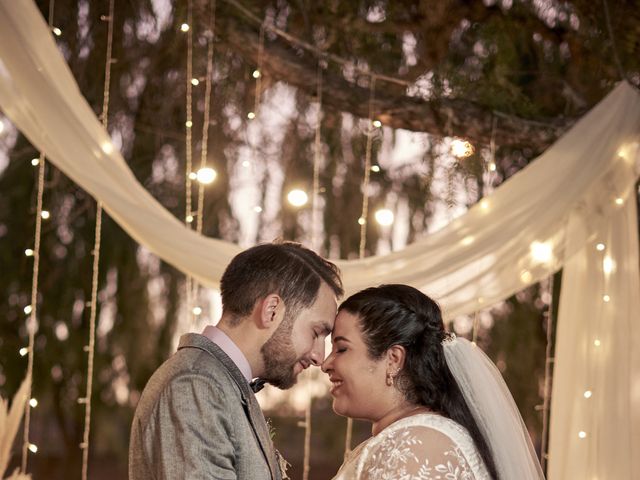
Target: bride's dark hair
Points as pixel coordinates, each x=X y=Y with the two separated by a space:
x=402 y=315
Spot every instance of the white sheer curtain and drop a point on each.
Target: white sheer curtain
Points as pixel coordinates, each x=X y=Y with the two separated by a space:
x=548 y=215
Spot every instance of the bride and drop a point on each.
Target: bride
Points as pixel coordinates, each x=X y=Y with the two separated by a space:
x=439 y=408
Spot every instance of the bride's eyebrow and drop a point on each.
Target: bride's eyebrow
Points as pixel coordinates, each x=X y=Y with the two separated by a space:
x=340 y=338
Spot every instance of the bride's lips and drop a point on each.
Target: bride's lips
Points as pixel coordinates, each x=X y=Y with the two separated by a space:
x=336 y=383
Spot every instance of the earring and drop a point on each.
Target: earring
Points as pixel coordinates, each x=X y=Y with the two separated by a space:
x=391 y=378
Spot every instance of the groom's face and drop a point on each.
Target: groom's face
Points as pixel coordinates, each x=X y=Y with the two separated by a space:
x=299 y=342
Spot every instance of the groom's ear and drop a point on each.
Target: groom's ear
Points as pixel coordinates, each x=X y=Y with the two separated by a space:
x=270 y=311
x=396 y=355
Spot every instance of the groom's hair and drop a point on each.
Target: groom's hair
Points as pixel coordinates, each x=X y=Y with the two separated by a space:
x=288 y=269
x=402 y=315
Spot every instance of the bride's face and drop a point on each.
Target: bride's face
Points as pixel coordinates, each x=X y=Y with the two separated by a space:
x=357 y=382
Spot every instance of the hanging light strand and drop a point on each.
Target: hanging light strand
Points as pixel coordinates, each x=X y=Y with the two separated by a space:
x=96 y=259
x=544 y=454
x=367 y=171
x=33 y=315
x=188 y=216
x=316 y=211
x=207 y=109
x=258 y=73
x=363 y=219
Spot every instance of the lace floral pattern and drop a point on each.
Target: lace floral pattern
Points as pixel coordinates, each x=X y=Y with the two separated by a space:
x=422 y=447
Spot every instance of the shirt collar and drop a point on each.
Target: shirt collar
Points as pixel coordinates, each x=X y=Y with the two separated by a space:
x=227 y=345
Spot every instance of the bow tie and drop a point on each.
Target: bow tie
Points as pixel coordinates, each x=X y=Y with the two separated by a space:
x=257 y=384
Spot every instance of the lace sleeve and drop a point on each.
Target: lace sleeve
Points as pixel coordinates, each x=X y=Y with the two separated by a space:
x=414 y=453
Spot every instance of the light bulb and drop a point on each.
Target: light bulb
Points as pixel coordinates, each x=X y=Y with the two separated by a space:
x=619 y=201
x=23 y=351
x=582 y=434
x=188 y=124
x=606 y=298
x=197 y=310
x=28 y=252
x=461 y=148
x=361 y=221
x=251 y=115
x=256 y=73
x=195 y=82
x=297 y=197
x=184 y=27
x=56 y=31
x=384 y=217
x=526 y=276
x=492 y=167
x=206 y=175
x=375 y=168
x=587 y=394
x=541 y=252
x=35 y=162
x=484 y=204
x=28 y=309
x=377 y=123
x=597 y=343
x=33 y=402
x=257 y=209
x=45 y=214
x=193 y=175
x=189 y=218
x=33 y=448
x=246 y=164
x=600 y=247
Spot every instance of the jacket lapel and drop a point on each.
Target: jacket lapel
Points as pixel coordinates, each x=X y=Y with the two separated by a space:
x=249 y=402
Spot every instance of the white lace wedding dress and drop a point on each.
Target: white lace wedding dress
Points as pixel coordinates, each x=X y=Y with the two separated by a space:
x=426 y=446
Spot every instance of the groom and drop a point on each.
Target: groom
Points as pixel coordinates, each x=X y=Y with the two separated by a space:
x=198 y=417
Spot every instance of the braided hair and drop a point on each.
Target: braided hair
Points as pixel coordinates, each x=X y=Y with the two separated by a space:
x=402 y=315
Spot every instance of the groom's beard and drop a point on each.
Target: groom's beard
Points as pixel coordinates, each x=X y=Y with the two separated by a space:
x=279 y=356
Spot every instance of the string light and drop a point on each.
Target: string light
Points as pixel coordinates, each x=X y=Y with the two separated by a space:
x=484 y=204
x=251 y=115
x=256 y=74
x=608 y=265
x=297 y=197
x=541 y=252
x=461 y=148
x=56 y=31
x=33 y=402
x=526 y=276
x=466 y=241
x=384 y=217
x=189 y=218
x=23 y=351
x=193 y=176
x=619 y=201
x=492 y=167
x=195 y=82
x=33 y=448
x=206 y=175
x=28 y=309
x=257 y=209
x=197 y=311
x=246 y=164
x=375 y=168
x=377 y=123
x=361 y=221
x=587 y=394
x=597 y=343
x=582 y=434
x=184 y=27
x=188 y=124
x=600 y=247
x=606 y=298
x=107 y=148
x=28 y=252
x=35 y=162
x=45 y=214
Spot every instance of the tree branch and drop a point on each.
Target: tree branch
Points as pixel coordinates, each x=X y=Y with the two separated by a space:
x=440 y=117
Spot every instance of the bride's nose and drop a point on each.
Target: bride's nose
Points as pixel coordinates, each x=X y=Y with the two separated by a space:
x=327 y=365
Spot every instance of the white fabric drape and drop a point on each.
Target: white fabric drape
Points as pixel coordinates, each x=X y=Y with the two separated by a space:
x=548 y=214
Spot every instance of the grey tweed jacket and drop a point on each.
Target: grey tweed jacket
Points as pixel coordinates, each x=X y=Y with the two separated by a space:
x=197 y=418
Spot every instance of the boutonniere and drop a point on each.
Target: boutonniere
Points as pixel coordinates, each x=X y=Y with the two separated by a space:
x=283 y=465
